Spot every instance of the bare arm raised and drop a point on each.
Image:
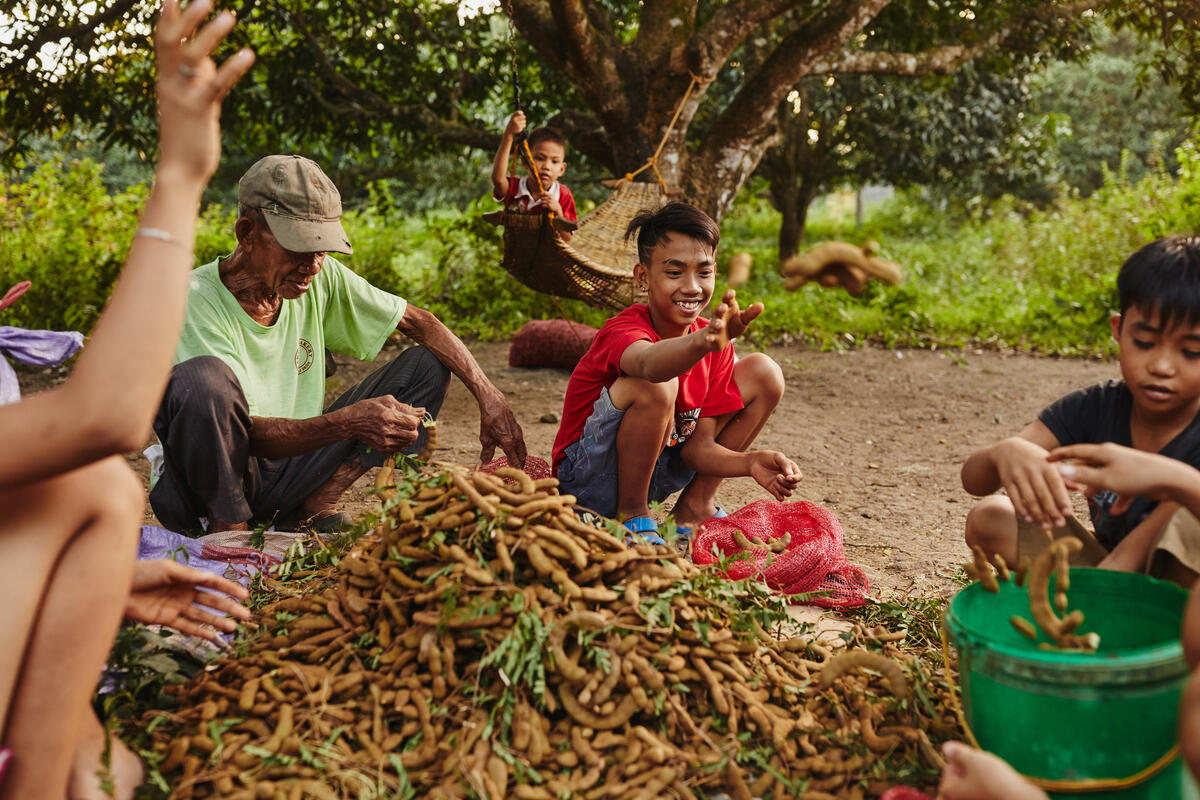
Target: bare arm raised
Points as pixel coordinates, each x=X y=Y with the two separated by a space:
x=107 y=404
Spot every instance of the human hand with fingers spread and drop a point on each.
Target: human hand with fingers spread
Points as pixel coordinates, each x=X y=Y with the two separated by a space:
x=729 y=321
x=189 y=600
x=191 y=87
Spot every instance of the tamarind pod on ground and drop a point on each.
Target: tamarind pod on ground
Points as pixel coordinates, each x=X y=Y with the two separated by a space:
x=882 y=634
x=526 y=791
x=546 y=483
x=839 y=665
x=176 y=753
x=735 y=781
x=335 y=611
x=208 y=710
x=598 y=535
x=540 y=505
x=415 y=553
x=633 y=596
x=256 y=727
x=582 y=619
x=490 y=484
x=313 y=623
x=576 y=553
x=468 y=488
x=649 y=675
x=660 y=779
x=505 y=558
x=714 y=685
x=397 y=576
x=599 y=722
x=569 y=588
x=307 y=641
x=541 y=561
x=599 y=594
x=761 y=784
x=880 y=744
x=609 y=682
x=522 y=479
x=1023 y=626
x=283 y=729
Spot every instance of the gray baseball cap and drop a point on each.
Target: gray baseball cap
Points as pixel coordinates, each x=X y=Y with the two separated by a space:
x=302 y=206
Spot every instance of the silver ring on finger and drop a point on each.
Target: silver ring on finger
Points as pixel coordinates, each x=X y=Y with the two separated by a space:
x=188 y=71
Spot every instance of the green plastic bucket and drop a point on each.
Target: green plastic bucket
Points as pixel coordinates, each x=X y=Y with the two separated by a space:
x=1078 y=716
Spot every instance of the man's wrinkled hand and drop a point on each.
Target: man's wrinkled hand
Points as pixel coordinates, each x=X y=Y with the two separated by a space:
x=385 y=423
x=189 y=600
x=498 y=428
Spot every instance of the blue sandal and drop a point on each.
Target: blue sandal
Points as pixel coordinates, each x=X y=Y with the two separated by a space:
x=642 y=529
x=685 y=531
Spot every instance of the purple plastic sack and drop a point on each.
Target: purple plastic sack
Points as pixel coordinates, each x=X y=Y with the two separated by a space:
x=238 y=564
x=40 y=348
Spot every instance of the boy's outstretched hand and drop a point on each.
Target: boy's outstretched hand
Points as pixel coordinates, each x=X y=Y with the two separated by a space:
x=775 y=472
x=1128 y=472
x=729 y=321
x=1034 y=485
x=165 y=592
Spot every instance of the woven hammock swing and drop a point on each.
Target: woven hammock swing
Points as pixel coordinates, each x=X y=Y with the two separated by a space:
x=596 y=266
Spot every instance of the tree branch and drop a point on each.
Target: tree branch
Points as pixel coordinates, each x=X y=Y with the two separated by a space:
x=712 y=46
x=57 y=33
x=585 y=134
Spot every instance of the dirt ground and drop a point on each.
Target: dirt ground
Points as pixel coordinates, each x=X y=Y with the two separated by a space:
x=880 y=436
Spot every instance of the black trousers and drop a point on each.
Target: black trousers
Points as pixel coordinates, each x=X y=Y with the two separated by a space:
x=204 y=426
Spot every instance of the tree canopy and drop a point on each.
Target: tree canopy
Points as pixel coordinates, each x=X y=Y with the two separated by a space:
x=368 y=83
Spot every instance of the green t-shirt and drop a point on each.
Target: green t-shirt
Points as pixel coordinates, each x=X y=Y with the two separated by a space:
x=282 y=367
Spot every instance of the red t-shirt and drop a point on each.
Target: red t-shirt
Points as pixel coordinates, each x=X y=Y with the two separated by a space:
x=520 y=197
x=705 y=390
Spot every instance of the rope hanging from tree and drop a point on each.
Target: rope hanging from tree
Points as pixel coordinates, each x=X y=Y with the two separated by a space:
x=596 y=266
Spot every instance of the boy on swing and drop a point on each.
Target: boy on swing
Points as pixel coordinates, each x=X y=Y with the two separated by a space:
x=549 y=151
x=659 y=403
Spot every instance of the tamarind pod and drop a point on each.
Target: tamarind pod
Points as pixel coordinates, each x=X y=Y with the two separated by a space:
x=649 y=675
x=398 y=576
x=780 y=544
x=761 y=784
x=542 y=562
x=1039 y=586
x=524 y=791
x=256 y=727
x=175 y=755
x=609 y=682
x=208 y=710
x=880 y=744
x=479 y=575
x=490 y=484
x=599 y=722
x=505 y=558
x=514 y=522
x=554 y=641
x=736 y=781
x=864 y=659
x=466 y=487
x=1023 y=626
x=714 y=685
x=569 y=588
x=633 y=596
x=576 y=553
x=1060 y=601
x=546 y=483
x=601 y=537
x=599 y=594
x=1001 y=567
x=581 y=745
x=313 y=623
x=540 y=505
x=522 y=479
x=659 y=780
x=1071 y=621
x=415 y=553
x=389 y=603
x=1022 y=570
x=306 y=641
x=1064 y=570
x=283 y=729
x=335 y=611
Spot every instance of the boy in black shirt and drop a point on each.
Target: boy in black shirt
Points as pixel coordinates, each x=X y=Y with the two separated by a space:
x=1153 y=408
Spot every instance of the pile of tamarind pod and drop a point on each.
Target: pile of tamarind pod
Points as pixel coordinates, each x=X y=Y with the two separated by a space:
x=484 y=642
x=1054 y=559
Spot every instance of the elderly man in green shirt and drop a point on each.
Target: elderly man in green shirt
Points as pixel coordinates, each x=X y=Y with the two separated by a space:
x=245 y=436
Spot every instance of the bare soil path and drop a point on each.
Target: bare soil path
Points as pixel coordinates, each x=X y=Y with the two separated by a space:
x=880 y=436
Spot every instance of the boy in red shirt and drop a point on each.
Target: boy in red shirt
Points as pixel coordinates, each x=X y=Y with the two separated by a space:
x=549 y=151
x=659 y=403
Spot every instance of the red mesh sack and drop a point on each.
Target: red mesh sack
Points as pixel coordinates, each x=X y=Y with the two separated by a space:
x=550 y=343
x=535 y=467
x=813 y=561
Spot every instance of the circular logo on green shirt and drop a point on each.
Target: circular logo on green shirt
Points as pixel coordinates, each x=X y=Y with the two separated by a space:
x=304 y=357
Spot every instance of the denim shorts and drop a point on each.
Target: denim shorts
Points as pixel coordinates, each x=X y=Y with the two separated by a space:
x=589 y=466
